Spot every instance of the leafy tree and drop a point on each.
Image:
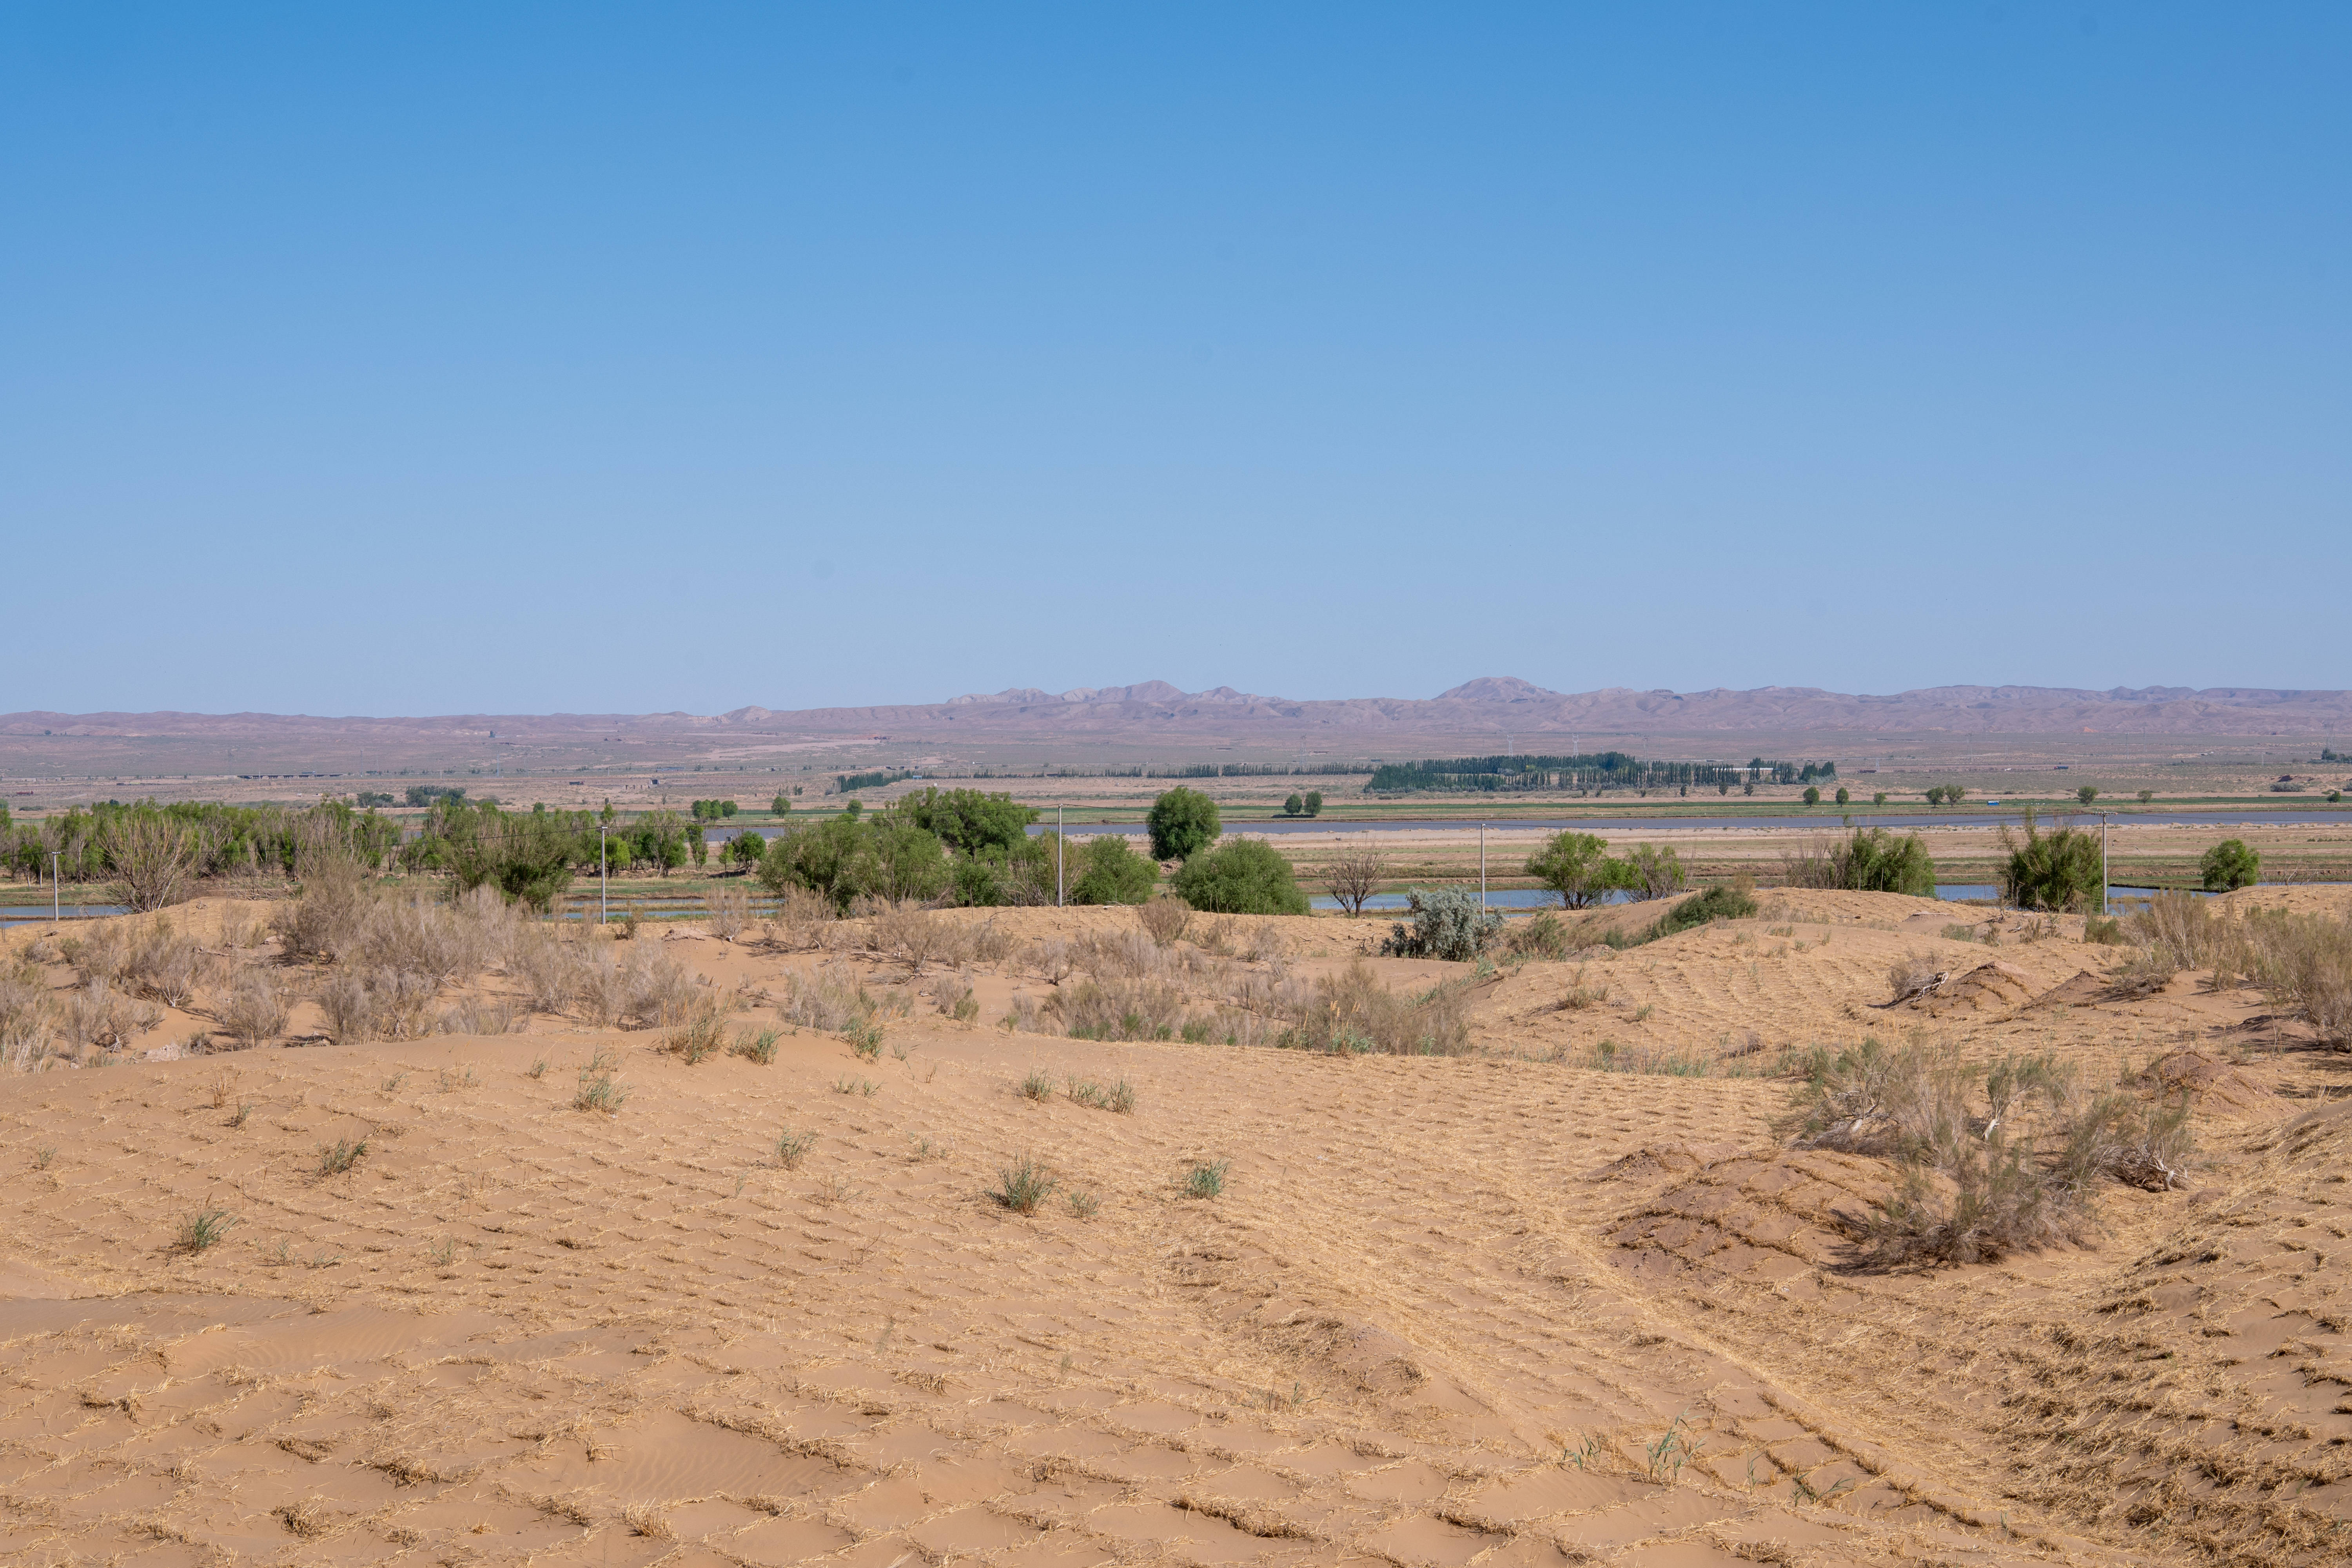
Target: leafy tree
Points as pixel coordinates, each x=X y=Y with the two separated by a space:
x=2086 y=794
x=1245 y=877
x=1183 y=822
x=1812 y=795
x=853 y=810
x=1313 y=803
x=1108 y=872
x=2146 y=795
x=2230 y=864
x=1878 y=862
x=1841 y=796
x=747 y=848
x=1700 y=908
x=968 y=821
x=528 y=856
x=1294 y=804
x=781 y=806
x=2051 y=871
x=1576 y=865
x=1878 y=799
x=842 y=856
x=1652 y=873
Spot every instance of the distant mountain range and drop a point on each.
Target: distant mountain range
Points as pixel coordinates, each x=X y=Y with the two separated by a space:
x=1156 y=713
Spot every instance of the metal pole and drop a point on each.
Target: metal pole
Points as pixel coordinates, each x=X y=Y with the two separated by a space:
x=1057 y=857
x=1482 y=865
x=57 y=907
x=602 y=914
x=2105 y=903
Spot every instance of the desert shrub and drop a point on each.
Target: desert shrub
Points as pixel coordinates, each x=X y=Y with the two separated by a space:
x=1353 y=1013
x=155 y=857
x=1023 y=1186
x=1994 y=1159
x=480 y=1015
x=2147 y=973
x=1245 y=877
x=546 y=965
x=325 y=919
x=1449 y=923
x=2181 y=926
x=25 y=1017
x=728 y=910
x=1576 y=865
x=1105 y=871
x=342 y=997
x=2304 y=962
x=800 y=917
x=1546 y=936
x=1913 y=974
x=954 y=998
x=2103 y=930
x=1164 y=920
x=758 y=1046
x=255 y=1009
x=1206 y=1179
x=421 y=937
x=1183 y=822
x=702 y=1034
x=2230 y=864
x=1872 y=861
x=165 y=964
x=1118 y=1009
x=827 y=999
x=1719 y=903
x=2058 y=870
x=1653 y=872
x=920 y=936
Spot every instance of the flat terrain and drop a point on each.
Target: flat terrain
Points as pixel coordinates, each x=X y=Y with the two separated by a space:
x=1497 y=1307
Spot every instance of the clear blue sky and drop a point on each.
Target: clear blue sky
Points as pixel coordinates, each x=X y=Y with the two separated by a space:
x=421 y=359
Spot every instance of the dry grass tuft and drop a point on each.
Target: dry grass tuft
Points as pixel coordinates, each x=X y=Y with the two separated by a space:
x=1164 y=919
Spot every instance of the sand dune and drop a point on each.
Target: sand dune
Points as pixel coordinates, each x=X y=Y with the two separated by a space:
x=1495 y=1307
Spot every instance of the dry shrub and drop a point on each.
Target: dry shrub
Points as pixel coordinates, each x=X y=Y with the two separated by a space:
x=1164 y=918
x=1994 y=1159
x=1265 y=942
x=828 y=999
x=98 y=1014
x=1352 y=1012
x=646 y=989
x=165 y=964
x=2181 y=927
x=25 y=1017
x=1914 y=974
x=548 y=967
x=954 y=996
x=920 y=936
x=480 y=1015
x=325 y=921
x=438 y=941
x=155 y=858
x=1546 y=936
x=1215 y=936
x=2147 y=973
x=2305 y=961
x=1022 y=1016
x=1118 y=1008
x=728 y=909
x=255 y=1008
x=1117 y=956
x=100 y=955
x=990 y=945
x=702 y=1033
x=801 y=919
x=1053 y=960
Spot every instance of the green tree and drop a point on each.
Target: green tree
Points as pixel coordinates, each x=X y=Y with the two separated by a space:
x=1576 y=865
x=2229 y=865
x=1878 y=862
x=1812 y=795
x=1245 y=876
x=747 y=848
x=2146 y=795
x=1183 y=822
x=853 y=810
x=781 y=806
x=1878 y=799
x=1841 y=796
x=1294 y=804
x=968 y=821
x=1108 y=872
x=2086 y=794
x=2051 y=871
x=1652 y=873
x=1313 y=803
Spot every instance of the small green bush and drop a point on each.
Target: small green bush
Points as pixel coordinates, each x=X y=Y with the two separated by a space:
x=1183 y=822
x=1023 y=1186
x=1107 y=872
x=1206 y=1179
x=2230 y=864
x=1575 y=866
x=2086 y=794
x=1246 y=877
x=793 y=1147
x=1448 y=923
x=2051 y=871
x=1725 y=903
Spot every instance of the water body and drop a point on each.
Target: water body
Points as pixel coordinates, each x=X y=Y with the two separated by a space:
x=38 y=914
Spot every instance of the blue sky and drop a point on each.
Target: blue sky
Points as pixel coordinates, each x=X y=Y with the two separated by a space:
x=426 y=359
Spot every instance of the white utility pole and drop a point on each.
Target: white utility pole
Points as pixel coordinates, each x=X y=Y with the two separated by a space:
x=1482 y=865
x=2105 y=903
x=1057 y=857
x=57 y=907
x=601 y=909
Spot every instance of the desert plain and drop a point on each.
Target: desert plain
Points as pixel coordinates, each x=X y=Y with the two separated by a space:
x=872 y=1262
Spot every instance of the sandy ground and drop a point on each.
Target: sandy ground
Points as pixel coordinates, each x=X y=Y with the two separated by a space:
x=1501 y=1308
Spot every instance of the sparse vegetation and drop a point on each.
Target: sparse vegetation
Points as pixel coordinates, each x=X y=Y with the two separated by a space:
x=1038 y=1085
x=340 y=1156
x=202 y=1230
x=2057 y=871
x=793 y=1147
x=1023 y=1186
x=1354 y=875
x=1164 y=919
x=1206 y=1179
x=1872 y=861
x=758 y=1046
